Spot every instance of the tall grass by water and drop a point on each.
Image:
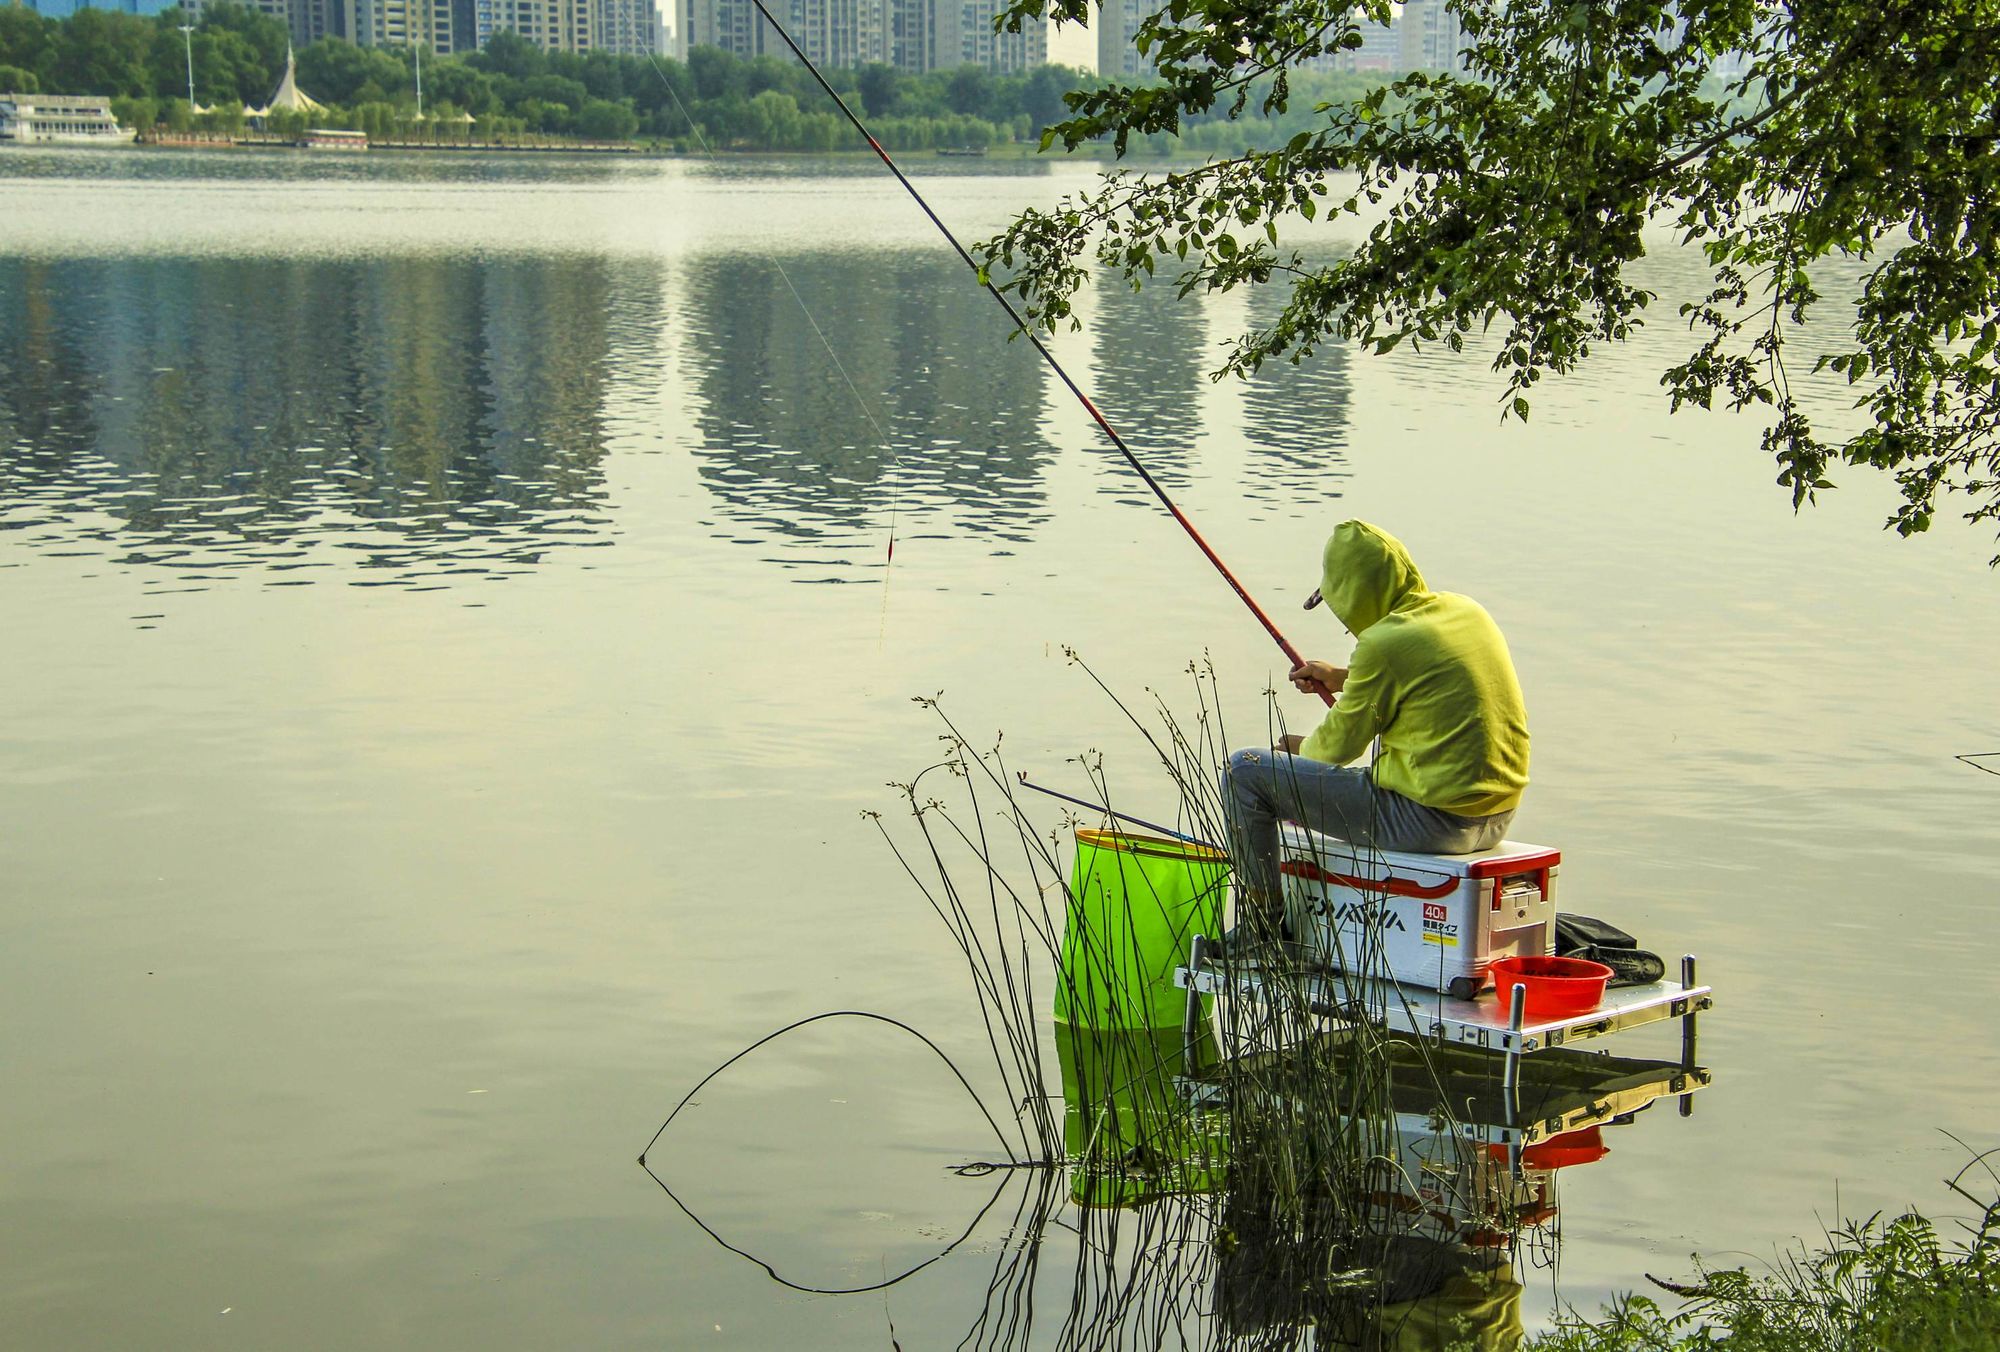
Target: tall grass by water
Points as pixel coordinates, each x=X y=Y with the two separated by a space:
x=1884 y=1284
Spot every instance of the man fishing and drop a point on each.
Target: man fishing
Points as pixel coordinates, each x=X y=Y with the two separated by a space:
x=1431 y=677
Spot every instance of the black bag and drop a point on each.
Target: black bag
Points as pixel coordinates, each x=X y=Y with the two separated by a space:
x=1583 y=931
x=1583 y=936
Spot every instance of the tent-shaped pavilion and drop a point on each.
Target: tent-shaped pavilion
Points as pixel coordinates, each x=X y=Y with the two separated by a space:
x=288 y=97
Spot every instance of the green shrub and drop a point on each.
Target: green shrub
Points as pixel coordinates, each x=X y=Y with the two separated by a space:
x=1876 y=1286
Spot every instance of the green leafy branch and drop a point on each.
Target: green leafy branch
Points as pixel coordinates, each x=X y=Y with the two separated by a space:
x=1505 y=205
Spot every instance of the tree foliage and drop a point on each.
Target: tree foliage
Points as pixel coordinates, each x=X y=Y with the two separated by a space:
x=1879 y=1285
x=237 y=53
x=1505 y=203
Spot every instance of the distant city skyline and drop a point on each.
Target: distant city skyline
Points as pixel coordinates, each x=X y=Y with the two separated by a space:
x=915 y=36
x=622 y=27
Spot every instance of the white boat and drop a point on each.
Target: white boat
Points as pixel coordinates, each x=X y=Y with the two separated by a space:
x=75 y=119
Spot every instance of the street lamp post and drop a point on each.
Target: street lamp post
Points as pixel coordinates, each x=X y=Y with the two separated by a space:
x=187 y=40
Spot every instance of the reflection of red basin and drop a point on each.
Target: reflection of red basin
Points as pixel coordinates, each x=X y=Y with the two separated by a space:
x=1585 y=1145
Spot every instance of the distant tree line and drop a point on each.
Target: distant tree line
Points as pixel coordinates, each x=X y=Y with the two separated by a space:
x=512 y=87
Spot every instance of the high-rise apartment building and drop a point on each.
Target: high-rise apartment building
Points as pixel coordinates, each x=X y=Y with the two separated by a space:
x=965 y=36
x=1432 y=37
x=1118 y=55
x=1381 y=48
x=312 y=20
x=857 y=32
x=831 y=33
x=913 y=32
x=627 y=28
x=733 y=25
x=308 y=20
x=913 y=35
x=405 y=23
x=1380 y=52
x=548 y=24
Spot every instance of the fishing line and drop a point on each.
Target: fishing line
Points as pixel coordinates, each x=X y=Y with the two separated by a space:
x=1973 y=759
x=797 y=1024
x=895 y=456
x=978 y=1170
x=810 y=1290
x=1021 y=327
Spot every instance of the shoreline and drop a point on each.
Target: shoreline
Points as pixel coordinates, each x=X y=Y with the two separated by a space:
x=1012 y=153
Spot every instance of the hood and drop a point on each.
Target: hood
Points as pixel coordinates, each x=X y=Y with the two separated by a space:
x=1365 y=573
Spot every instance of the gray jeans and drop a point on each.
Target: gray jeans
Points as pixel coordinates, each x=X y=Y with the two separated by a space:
x=1262 y=788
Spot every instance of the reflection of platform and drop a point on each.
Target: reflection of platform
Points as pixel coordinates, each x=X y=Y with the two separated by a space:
x=1560 y=1091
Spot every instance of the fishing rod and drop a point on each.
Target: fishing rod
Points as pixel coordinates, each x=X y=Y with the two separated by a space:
x=1021 y=326
x=1184 y=837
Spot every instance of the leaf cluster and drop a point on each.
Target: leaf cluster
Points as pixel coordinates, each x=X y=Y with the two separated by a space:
x=1504 y=205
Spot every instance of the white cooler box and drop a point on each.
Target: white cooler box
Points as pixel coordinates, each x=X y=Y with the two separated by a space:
x=1443 y=917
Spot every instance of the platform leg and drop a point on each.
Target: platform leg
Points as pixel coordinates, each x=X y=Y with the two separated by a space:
x=1191 y=1014
x=1510 y=1077
x=1688 y=1035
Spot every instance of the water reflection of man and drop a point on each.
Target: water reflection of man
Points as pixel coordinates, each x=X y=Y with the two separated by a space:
x=1430 y=677
x=1447 y=1300
x=1409 y=1286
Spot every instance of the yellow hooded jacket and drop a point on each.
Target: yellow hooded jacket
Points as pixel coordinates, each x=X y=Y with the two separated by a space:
x=1430 y=675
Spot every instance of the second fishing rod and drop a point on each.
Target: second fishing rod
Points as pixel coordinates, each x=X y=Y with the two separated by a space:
x=1021 y=326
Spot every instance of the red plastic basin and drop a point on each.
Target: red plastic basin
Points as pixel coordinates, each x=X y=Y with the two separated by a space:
x=1557 y=987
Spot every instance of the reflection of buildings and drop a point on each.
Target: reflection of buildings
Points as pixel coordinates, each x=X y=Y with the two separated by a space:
x=1295 y=417
x=45 y=404
x=1149 y=354
x=265 y=404
x=788 y=447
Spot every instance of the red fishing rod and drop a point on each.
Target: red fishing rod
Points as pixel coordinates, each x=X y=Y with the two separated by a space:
x=1021 y=326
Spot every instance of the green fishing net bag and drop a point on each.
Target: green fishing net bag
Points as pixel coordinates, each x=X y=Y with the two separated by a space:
x=1134 y=903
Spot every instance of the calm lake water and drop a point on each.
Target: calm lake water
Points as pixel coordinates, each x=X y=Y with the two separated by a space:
x=450 y=648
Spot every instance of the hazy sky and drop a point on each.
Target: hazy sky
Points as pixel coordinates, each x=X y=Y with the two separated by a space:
x=1070 y=45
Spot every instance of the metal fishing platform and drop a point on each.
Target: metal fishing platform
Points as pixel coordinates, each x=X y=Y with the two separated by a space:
x=1250 y=1018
